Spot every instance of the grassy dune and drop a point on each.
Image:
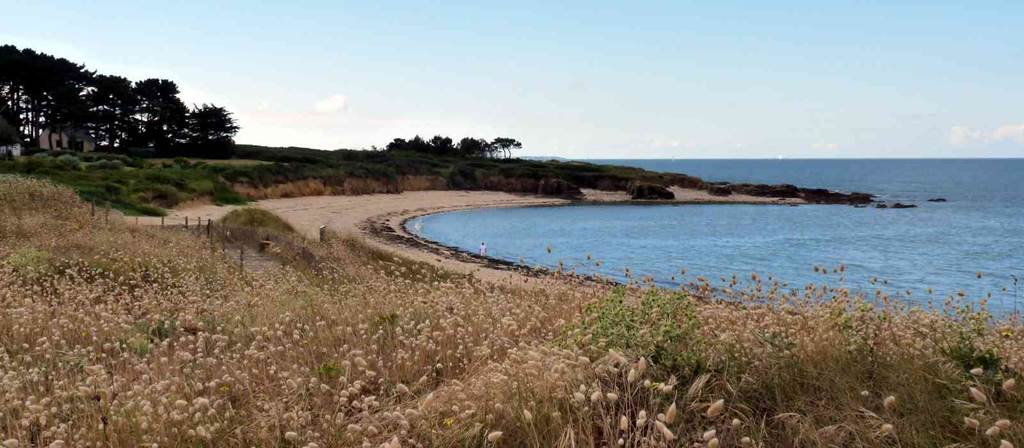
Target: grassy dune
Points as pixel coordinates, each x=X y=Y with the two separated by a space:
x=114 y=335
x=256 y=218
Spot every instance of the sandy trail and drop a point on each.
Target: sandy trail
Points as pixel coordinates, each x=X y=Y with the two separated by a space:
x=350 y=215
x=366 y=215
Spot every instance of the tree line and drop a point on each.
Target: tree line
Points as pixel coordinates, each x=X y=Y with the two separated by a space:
x=500 y=147
x=39 y=91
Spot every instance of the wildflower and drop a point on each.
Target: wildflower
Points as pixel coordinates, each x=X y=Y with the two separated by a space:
x=665 y=432
x=611 y=396
x=1003 y=423
x=494 y=436
x=716 y=408
x=291 y=436
x=578 y=396
x=1005 y=444
x=971 y=423
x=11 y=443
x=977 y=371
x=56 y=444
x=708 y=435
x=865 y=393
x=1009 y=385
x=889 y=403
x=527 y=416
x=993 y=431
x=977 y=395
x=595 y=397
x=402 y=389
x=886 y=429
x=713 y=443
x=632 y=376
x=670 y=414
x=641 y=419
x=746 y=441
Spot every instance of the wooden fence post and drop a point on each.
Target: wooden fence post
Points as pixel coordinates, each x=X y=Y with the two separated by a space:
x=241 y=258
x=106 y=214
x=161 y=222
x=92 y=209
x=323 y=234
x=186 y=223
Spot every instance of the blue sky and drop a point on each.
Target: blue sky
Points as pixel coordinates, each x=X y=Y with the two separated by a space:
x=576 y=79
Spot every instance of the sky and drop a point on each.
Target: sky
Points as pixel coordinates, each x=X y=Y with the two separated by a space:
x=580 y=79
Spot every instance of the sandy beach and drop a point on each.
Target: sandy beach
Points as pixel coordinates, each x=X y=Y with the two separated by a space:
x=378 y=218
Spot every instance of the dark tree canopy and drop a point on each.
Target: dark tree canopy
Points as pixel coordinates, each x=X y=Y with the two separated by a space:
x=113 y=105
x=466 y=147
x=163 y=117
x=8 y=134
x=211 y=131
x=39 y=91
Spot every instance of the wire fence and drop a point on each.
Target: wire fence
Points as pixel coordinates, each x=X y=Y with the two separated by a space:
x=251 y=244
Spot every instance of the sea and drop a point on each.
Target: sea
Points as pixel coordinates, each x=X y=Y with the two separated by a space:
x=971 y=246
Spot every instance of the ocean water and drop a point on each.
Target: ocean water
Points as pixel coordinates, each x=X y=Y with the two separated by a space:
x=939 y=245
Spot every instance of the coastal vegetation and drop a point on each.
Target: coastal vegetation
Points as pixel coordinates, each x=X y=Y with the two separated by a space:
x=44 y=93
x=256 y=218
x=147 y=186
x=119 y=335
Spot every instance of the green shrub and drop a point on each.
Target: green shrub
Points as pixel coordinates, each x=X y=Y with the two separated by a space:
x=659 y=325
x=69 y=161
x=107 y=165
x=256 y=218
x=30 y=259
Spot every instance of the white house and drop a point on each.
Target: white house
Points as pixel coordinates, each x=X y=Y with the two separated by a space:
x=13 y=150
x=67 y=140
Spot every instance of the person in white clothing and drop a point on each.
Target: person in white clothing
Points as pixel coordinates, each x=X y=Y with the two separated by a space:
x=483 y=249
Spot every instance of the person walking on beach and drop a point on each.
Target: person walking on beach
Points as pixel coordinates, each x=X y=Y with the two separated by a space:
x=483 y=249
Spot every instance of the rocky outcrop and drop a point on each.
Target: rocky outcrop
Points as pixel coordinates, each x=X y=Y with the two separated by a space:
x=785 y=191
x=641 y=190
x=720 y=190
x=557 y=187
x=767 y=191
x=896 y=205
x=548 y=186
x=937 y=200
x=823 y=196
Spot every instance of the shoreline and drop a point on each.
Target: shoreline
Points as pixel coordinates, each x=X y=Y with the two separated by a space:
x=380 y=219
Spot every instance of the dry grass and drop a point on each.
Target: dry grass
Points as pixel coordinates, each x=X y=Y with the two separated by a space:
x=123 y=336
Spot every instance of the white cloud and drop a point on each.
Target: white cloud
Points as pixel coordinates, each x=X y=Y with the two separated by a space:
x=828 y=146
x=332 y=104
x=1013 y=132
x=963 y=135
